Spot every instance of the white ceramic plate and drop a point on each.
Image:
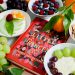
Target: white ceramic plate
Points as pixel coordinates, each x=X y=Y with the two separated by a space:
x=27 y=23
x=70 y=28
x=50 y=52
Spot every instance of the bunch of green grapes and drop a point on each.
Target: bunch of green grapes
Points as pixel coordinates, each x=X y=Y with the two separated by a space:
x=4 y=49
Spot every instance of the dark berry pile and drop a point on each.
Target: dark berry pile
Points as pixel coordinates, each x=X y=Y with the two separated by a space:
x=17 y=4
x=45 y=7
x=52 y=68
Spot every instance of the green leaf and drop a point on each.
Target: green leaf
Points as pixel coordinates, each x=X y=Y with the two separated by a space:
x=1 y=8
x=9 y=27
x=61 y=8
x=17 y=19
x=17 y=71
x=66 y=24
x=6 y=70
x=50 y=24
x=70 y=14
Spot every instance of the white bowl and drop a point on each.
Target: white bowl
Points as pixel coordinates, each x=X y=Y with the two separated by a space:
x=47 y=17
x=19 y=32
x=70 y=28
x=50 y=52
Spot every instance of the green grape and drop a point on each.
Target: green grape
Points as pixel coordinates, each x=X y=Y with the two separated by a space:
x=58 y=54
x=3 y=40
x=6 y=48
x=3 y=61
x=73 y=53
x=2 y=55
x=1 y=47
x=66 y=52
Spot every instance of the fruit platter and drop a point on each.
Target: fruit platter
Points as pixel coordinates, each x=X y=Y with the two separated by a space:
x=37 y=37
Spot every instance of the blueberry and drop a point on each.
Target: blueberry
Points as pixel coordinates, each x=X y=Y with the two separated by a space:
x=46 y=13
x=51 y=4
x=55 y=10
x=37 y=12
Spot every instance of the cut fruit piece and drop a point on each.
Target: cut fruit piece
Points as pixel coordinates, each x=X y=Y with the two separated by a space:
x=3 y=61
x=73 y=53
x=18 y=15
x=2 y=55
x=58 y=54
x=3 y=40
x=6 y=48
x=66 y=52
x=1 y=47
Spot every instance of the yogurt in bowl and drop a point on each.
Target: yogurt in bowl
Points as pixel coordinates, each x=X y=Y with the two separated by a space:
x=60 y=59
x=21 y=22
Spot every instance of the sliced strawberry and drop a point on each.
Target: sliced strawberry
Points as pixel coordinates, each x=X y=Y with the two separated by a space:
x=50 y=12
x=1 y=1
x=41 y=12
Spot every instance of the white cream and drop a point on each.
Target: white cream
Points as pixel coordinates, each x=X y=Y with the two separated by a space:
x=65 y=65
x=4 y=5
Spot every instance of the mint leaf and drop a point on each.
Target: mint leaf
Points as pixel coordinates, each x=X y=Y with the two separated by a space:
x=9 y=27
x=61 y=8
x=50 y=24
x=17 y=19
x=16 y=71
x=70 y=14
x=66 y=24
x=1 y=8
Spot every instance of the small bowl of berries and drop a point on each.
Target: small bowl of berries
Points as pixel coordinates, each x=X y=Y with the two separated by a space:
x=45 y=8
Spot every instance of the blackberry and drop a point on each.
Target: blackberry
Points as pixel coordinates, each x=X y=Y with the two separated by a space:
x=17 y=4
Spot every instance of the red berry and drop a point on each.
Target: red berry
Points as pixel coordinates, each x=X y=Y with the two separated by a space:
x=9 y=17
x=41 y=12
x=56 y=6
x=52 y=1
x=1 y=1
x=50 y=12
x=36 y=2
x=45 y=5
x=34 y=8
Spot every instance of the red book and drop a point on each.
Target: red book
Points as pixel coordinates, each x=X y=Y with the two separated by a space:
x=29 y=50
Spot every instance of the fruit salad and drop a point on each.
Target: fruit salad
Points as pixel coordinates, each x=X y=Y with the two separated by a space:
x=12 y=22
x=62 y=62
x=45 y=7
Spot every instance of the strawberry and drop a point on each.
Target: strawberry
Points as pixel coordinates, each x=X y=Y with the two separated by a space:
x=9 y=17
x=45 y=5
x=36 y=2
x=50 y=12
x=41 y=12
x=56 y=6
x=34 y=8
x=52 y=1
x=1 y=1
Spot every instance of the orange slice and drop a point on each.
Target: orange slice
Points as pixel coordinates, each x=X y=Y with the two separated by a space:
x=18 y=15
